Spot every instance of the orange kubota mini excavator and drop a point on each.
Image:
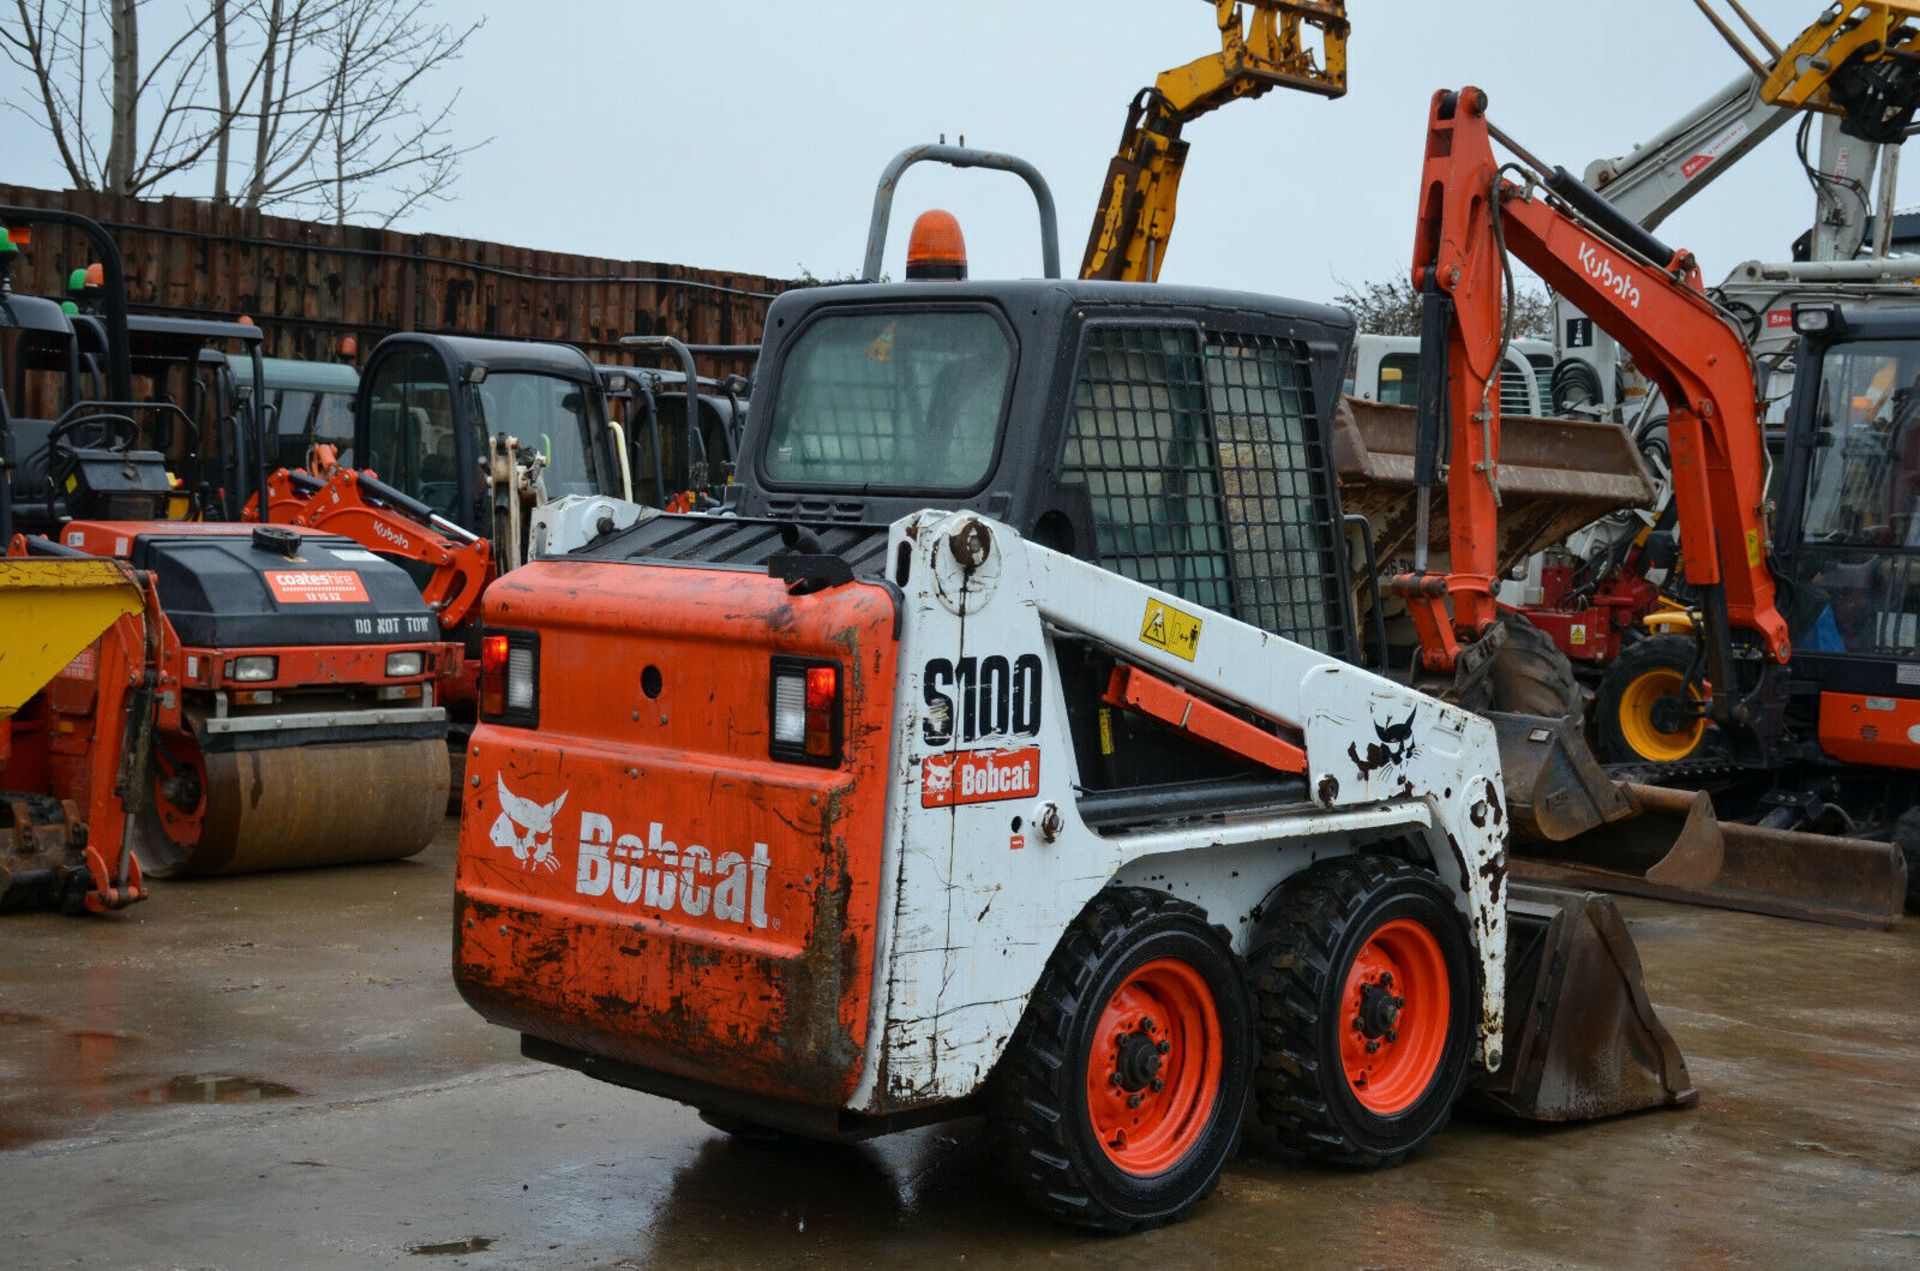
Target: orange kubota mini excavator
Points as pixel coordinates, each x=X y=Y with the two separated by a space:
x=1770 y=706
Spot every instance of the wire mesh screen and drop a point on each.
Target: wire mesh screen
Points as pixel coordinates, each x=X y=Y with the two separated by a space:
x=1283 y=519
x=1142 y=442
x=1202 y=460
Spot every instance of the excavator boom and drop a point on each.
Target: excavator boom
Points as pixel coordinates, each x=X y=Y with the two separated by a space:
x=1269 y=49
x=1471 y=217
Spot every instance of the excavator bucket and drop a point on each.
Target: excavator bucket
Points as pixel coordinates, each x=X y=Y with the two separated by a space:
x=1582 y=1039
x=1556 y=475
x=1672 y=847
x=1556 y=789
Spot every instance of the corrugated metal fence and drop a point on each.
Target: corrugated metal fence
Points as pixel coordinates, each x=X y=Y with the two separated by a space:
x=309 y=284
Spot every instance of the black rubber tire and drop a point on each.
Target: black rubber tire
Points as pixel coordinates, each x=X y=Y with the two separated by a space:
x=1310 y=932
x=1037 y=1109
x=1906 y=833
x=1529 y=676
x=1662 y=652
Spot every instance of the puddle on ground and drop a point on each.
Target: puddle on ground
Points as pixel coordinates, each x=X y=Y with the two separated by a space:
x=472 y=1244
x=212 y=1087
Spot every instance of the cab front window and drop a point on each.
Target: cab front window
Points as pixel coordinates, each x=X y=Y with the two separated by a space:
x=891 y=400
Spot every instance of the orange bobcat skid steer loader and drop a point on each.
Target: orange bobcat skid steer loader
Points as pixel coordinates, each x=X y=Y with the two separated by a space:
x=1010 y=749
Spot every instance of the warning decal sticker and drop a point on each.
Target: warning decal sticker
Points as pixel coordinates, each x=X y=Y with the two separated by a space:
x=1166 y=628
x=316 y=586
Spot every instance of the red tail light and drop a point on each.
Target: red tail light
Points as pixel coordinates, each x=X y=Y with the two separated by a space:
x=510 y=678
x=805 y=711
x=823 y=710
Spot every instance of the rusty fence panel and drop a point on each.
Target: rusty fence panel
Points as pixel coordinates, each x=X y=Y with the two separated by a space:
x=308 y=284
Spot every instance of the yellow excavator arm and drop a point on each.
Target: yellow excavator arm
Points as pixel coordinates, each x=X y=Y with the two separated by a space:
x=1802 y=73
x=1272 y=50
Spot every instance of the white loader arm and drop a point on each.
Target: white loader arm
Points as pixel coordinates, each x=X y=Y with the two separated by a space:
x=1376 y=760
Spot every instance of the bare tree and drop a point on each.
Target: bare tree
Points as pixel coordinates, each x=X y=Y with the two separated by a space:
x=337 y=124
x=313 y=105
x=60 y=44
x=1392 y=307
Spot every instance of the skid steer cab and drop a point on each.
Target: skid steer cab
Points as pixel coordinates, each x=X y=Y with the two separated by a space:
x=1009 y=751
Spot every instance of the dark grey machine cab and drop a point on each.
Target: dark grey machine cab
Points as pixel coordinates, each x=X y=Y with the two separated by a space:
x=430 y=405
x=1174 y=435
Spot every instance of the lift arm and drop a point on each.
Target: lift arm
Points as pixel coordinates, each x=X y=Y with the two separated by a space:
x=1641 y=293
x=367 y=510
x=1135 y=218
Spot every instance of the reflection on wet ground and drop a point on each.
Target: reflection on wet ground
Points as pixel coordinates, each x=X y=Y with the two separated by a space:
x=297 y=1041
x=213 y=1088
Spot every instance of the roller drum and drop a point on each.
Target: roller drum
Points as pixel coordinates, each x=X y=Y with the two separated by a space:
x=302 y=806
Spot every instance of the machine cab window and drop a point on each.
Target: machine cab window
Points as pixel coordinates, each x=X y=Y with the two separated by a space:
x=411 y=439
x=903 y=400
x=546 y=413
x=1858 y=565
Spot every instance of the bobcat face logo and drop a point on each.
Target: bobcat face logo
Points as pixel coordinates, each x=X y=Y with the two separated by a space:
x=939 y=779
x=1395 y=747
x=525 y=828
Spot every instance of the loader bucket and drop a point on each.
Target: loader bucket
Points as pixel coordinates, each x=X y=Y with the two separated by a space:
x=1556 y=789
x=1582 y=1039
x=1673 y=848
x=1556 y=475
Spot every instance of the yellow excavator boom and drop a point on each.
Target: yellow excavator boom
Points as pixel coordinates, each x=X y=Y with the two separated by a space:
x=1802 y=74
x=1267 y=48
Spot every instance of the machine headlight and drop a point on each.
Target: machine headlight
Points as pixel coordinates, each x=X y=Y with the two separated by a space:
x=400 y=665
x=253 y=669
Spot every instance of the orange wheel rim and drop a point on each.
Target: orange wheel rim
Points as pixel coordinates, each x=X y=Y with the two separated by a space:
x=1396 y=1010
x=1153 y=1073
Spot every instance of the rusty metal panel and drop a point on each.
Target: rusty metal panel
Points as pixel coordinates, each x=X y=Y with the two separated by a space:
x=309 y=284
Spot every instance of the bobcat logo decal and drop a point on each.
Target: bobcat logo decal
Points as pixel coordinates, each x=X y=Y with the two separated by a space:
x=525 y=828
x=1395 y=747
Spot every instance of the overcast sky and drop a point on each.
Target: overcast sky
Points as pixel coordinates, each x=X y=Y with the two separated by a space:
x=747 y=136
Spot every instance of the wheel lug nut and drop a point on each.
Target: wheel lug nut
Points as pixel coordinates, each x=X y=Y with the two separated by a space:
x=1158 y=1085
x=1386 y=979
x=1113 y=1078
x=1399 y=1002
x=1146 y=1025
x=1373 y=1047
x=1164 y=1046
x=1357 y=1025
x=1133 y=1101
x=1392 y=1035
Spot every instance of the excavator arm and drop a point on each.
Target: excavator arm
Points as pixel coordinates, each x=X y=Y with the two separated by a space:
x=367 y=510
x=1135 y=220
x=1643 y=294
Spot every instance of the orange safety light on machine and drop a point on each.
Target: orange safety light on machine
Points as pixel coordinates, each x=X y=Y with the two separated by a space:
x=935 y=249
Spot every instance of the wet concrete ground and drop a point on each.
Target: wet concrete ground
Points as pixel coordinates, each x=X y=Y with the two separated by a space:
x=275 y=1071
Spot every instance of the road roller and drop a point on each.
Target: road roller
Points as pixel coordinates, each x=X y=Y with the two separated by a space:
x=294 y=713
x=287 y=711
